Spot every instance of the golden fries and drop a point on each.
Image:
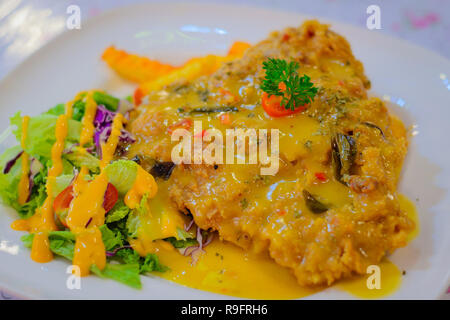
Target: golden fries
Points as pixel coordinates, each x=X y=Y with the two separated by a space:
x=238 y=48
x=153 y=75
x=193 y=69
x=133 y=67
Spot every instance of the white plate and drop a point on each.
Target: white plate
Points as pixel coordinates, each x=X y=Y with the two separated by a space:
x=413 y=78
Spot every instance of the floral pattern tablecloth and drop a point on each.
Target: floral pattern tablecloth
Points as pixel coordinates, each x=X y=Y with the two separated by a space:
x=25 y=26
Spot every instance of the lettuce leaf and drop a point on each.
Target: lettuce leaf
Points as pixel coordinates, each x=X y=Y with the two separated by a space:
x=182 y=243
x=62 y=182
x=79 y=159
x=41 y=133
x=118 y=212
x=133 y=224
x=57 y=110
x=62 y=243
x=122 y=174
x=146 y=264
x=77 y=110
x=10 y=181
x=125 y=273
x=151 y=263
x=110 y=238
x=9 y=185
x=111 y=103
x=38 y=196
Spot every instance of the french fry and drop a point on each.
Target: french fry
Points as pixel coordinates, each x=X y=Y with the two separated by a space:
x=238 y=48
x=153 y=75
x=133 y=67
x=191 y=70
x=196 y=67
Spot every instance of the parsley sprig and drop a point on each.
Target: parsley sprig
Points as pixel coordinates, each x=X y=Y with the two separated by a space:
x=299 y=90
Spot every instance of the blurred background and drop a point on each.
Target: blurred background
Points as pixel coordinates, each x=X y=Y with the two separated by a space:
x=26 y=25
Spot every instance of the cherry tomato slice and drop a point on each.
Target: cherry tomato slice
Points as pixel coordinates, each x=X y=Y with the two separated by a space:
x=63 y=200
x=138 y=95
x=111 y=196
x=321 y=176
x=272 y=106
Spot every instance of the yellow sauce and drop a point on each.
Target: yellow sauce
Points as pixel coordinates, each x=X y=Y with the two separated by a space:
x=390 y=280
x=43 y=220
x=390 y=274
x=89 y=250
x=408 y=206
x=110 y=146
x=223 y=268
x=80 y=182
x=88 y=204
x=87 y=130
x=144 y=184
x=227 y=269
x=24 y=184
x=86 y=212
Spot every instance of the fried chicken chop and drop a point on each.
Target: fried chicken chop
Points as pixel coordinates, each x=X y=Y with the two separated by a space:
x=344 y=152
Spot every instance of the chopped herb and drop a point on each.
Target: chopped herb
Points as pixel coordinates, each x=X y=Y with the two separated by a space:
x=263 y=178
x=182 y=243
x=203 y=95
x=163 y=170
x=372 y=125
x=313 y=204
x=136 y=159
x=343 y=150
x=244 y=203
x=219 y=255
x=299 y=90
x=308 y=144
x=213 y=110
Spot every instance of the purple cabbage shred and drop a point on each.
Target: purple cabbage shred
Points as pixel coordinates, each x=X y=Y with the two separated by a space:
x=103 y=123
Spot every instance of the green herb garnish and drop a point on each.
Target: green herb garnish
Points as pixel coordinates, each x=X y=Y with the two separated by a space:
x=299 y=90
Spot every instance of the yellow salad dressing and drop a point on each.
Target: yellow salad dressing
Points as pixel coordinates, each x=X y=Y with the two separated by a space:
x=86 y=212
x=24 y=191
x=43 y=220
